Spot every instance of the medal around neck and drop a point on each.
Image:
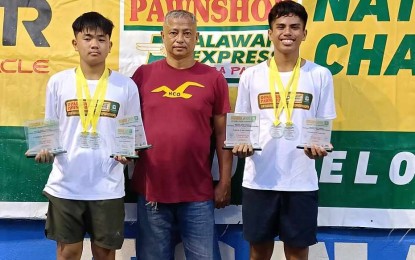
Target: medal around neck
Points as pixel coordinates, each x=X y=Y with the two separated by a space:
x=277 y=131
x=90 y=107
x=83 y=140
x=89 y=140
x=93 y=141
x=242 y=128
x=316 y=131
x=43 y=135
x=290 y=132
x=286 y=102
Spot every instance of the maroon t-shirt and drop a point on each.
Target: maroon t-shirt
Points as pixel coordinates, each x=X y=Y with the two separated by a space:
x=177 y=109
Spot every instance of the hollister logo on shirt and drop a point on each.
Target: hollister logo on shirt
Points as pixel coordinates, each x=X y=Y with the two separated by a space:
x=302 y=100
x=179 y=91
x=109 y=108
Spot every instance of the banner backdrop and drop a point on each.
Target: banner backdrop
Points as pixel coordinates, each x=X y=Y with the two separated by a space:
x=369 y=46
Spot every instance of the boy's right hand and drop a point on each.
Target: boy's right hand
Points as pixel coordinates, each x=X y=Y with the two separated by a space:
x=243 y=150
x=44 y=156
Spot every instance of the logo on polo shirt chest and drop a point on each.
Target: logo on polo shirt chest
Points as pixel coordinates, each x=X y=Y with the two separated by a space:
x=179 y=92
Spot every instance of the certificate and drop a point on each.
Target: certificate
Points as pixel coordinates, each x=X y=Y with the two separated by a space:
x=140 y=136
x=43 y=134
x=125 y=142
x=316 y=132
x=242 y=128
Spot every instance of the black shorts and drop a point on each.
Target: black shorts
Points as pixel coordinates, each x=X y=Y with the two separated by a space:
x=69 y=220
x=290 y=215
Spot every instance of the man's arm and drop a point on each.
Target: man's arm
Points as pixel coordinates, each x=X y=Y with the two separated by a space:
x=223 y=188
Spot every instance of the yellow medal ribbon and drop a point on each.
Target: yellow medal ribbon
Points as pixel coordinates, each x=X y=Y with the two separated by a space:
x=275 y=79
x=93 y=105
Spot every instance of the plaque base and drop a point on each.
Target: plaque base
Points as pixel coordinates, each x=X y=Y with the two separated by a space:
x=228 y=147
x=126 y=156
x=33 y=155
x=143 y=147
x=329 y=150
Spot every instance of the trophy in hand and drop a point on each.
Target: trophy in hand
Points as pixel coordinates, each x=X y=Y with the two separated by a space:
x=43 y=135
x=130 y=137
x=125 y=143
x=242 y=128
x=140 y=136
x=316 y=132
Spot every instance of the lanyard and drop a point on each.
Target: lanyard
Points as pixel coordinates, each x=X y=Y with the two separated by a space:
x=291 y=89
x=93 y=105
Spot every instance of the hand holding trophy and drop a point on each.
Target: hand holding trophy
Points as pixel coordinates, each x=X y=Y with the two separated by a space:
x=43 y=140
x=316 y=134
x=130 y=137
x=242 y=129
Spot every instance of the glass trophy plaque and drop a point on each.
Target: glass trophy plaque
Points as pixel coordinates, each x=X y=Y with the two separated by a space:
x=125 y=142
x=316 y=132
x=43 y=135
x=242 y=128
x=140 y=136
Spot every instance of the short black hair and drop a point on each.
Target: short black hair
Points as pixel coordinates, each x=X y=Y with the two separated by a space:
x=174 y=14
x=286 y=8
x=92 y=21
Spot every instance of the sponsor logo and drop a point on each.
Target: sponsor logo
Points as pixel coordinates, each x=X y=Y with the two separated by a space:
x=212 y=12
x=109 y=108
x=302 y=100
x=179 y=91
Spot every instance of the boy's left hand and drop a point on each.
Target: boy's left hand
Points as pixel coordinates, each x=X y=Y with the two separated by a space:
x=316 y=151
x=243 y=150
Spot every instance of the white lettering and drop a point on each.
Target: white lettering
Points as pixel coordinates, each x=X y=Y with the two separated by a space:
x=408 y=175
x=361 y=176
x=329 y=166
x=345 y=251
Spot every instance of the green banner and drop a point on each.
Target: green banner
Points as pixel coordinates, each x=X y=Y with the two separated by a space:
x=366 y=170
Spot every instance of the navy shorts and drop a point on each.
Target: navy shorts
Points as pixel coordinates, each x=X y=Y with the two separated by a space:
x=290 y=215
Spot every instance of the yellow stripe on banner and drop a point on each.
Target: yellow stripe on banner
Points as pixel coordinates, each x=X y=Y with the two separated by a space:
x=233 y=93
x=26 y=64
x=368 y=45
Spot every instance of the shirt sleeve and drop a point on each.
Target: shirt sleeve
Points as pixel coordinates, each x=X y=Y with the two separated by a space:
x=326 y=107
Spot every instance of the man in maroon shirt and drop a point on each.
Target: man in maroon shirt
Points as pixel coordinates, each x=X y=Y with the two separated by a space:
x=183 y=103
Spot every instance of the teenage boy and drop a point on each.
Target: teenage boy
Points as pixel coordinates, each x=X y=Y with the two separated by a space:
x=86 y=187
x=280 y=182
